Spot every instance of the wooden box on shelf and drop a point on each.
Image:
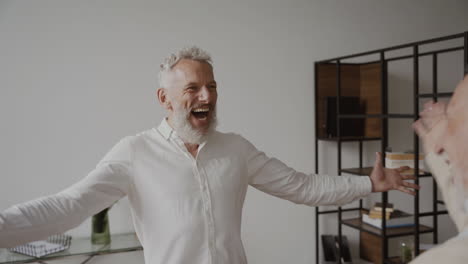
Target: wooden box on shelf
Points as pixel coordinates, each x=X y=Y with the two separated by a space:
x=371 y=238
x=370 y=247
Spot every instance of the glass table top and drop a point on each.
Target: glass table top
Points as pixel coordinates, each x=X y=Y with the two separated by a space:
x=79 y=246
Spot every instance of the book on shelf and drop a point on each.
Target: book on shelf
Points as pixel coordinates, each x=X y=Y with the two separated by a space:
x=40 y=248
x=395 y=160
x=397 y=219
x=379 y=207
x=378 y=214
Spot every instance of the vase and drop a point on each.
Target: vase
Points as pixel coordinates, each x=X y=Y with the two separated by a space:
x=100 y=233
x=406 y=251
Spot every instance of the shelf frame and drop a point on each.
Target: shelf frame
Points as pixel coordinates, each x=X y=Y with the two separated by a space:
x=384 y=116
x=357 y=223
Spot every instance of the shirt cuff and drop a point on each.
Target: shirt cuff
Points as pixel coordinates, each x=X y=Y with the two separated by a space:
x=364 y=186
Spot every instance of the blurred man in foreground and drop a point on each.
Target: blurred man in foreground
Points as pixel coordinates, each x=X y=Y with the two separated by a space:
x=444 y=132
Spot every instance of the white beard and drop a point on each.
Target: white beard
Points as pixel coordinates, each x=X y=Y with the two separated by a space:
x=183 y=128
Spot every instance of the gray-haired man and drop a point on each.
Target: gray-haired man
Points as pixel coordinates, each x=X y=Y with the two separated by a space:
x=186 y=182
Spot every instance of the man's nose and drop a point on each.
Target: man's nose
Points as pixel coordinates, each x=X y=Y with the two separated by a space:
x=205 y=94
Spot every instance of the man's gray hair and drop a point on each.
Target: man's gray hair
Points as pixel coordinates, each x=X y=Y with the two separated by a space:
x=190 y=53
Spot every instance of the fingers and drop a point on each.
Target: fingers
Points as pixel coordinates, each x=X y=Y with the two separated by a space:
x=432 y=114
x=402 y=169
x=408 y=191
x=408 y=187
x=440 y=107
x=427 y=109
x=420 y=129
x=411 y=185
x=433 y=108
x=408 y=177
x=428 y=104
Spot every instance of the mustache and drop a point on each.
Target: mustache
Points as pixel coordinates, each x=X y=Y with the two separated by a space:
x=210 y=106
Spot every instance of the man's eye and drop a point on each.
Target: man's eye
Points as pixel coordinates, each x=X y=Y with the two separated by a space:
x=192 y=88
x=213 y=87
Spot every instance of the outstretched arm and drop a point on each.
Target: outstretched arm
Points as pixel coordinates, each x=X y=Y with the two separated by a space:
x=274 y=177
x=57 y=213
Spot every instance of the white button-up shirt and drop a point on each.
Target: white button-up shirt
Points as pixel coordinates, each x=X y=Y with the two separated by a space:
x=185 y=209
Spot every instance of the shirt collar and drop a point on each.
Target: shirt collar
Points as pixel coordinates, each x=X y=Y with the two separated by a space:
x=165 y=129
x=167 y=132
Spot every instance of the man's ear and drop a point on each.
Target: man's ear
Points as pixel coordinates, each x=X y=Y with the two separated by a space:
x=163 y=98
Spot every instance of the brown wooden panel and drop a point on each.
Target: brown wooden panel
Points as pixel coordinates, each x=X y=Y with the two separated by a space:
x=325 y=87
x=326 y=82
x=371 y=247
x=370 y=83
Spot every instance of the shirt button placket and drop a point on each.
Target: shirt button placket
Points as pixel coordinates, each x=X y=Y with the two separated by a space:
x=207 y=210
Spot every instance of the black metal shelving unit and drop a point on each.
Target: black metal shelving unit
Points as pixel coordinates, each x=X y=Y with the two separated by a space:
x=337 y=65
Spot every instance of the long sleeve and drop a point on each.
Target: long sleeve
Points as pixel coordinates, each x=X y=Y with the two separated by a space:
x=274 y=177
x=445 y=180
x=53 y=214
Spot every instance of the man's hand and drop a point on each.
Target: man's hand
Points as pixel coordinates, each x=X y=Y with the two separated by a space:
x=432 y=127
x=384 y=179
x=433 y=113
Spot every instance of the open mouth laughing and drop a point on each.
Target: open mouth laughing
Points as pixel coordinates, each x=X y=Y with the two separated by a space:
x=201 y=113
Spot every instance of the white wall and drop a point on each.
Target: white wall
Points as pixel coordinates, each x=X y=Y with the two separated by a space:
x=76 y=76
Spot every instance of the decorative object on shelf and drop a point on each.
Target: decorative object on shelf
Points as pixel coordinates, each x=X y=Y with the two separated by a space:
x=100 y=233
x=379 y=215
x=348 y=127
x=331 y=249
x=377 y=211
x=406 y=251
x=40 y=248
x=396 y=219
x=395 y=160
x=379 y=207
